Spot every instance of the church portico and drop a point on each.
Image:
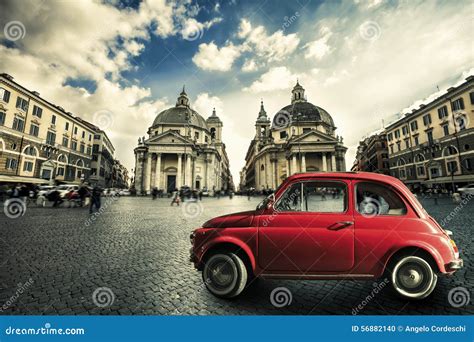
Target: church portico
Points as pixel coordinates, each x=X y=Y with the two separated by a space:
x=182 y=149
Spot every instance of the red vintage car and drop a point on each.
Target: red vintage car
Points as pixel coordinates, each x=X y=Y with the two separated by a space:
x=341 y=225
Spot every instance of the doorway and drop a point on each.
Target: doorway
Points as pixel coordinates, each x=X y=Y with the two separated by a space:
x=171 y=183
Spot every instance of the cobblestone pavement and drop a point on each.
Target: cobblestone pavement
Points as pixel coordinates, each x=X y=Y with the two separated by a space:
x=52 y=261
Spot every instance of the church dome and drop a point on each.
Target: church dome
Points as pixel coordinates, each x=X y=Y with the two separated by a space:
x=181 y=114
x=302 y=110
x=306 y=111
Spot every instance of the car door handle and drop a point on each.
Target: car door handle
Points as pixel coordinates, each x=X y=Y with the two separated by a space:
x=340 y=225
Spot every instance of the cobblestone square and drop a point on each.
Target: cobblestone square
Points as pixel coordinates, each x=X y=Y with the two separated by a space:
x=134 y=260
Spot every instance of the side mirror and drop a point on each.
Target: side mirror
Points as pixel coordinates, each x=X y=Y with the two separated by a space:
x=271 y=201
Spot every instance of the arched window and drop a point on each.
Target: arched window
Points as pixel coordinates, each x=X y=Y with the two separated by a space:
x=419 y=158
x=62 y=158
x=401 y=162
x=30 y=150
x=80 y=163
x=450 y=151
x=262 y=168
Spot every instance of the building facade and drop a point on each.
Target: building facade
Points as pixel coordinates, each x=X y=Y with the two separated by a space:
x=433 y=146
x=182 y=149
x=302 y=138
x=372 y=154
x=39 y=141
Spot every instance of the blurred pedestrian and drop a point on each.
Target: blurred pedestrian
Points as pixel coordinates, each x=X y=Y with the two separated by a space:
x=95 y=198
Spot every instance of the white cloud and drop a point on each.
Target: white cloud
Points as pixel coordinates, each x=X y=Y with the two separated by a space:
x=277 y=78
x=249 y=66
x=210 y=57
x=193 y=29
x=205 y=103
x=319 y=48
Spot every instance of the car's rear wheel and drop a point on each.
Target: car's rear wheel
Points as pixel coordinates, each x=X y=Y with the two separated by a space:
x=225 y=275
x=413 y=277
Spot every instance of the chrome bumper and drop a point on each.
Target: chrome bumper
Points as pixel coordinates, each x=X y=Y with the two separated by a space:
x=454 y=265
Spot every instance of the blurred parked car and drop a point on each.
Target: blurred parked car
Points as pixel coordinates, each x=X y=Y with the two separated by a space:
x=467 y=190
x=65 y=188
x=124 y=192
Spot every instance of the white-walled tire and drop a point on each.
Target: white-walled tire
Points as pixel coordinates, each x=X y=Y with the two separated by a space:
x=412 y=277
x=225 y=275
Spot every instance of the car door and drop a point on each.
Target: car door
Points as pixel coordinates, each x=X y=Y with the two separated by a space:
x=309 y=230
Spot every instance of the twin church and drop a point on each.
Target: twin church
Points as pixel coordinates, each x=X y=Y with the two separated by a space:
x=184 y=149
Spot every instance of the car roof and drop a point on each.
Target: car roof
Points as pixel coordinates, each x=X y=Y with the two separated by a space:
x=347 y=175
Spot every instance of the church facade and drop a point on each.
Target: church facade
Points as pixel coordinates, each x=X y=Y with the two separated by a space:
x=182 y=149
x=301 y=138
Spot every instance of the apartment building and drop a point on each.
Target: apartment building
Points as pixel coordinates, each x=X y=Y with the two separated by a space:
x=433 y=146
x=40 y=142
x=372 y=154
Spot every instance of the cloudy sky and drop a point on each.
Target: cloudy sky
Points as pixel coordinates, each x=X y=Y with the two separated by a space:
x=119 y=63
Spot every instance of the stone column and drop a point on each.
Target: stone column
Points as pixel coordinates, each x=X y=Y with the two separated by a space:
x=188 y=171
x=333 y=162
x=287 y=168
x=293 y=166
x=303 y=162
x=179 y=176
x=158 y=171
x=274 y=177
x=138 y=174
x=325 y=167
x=148 y=173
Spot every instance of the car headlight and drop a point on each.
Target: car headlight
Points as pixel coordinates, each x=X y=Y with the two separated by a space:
x=191 y=237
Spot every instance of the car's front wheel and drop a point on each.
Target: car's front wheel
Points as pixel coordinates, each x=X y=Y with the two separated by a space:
x=225 y=275
x=413 y=277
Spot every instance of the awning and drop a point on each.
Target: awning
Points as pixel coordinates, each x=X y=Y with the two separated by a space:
x=19 y=179
x=457 y=179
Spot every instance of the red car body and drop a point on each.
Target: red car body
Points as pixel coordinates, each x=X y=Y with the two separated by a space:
x=315 y=245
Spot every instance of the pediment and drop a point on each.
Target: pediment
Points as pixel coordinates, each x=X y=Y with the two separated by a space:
x=168 y=137
x=315 y=136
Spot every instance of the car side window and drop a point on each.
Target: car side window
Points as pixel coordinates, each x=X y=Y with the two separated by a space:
x=314 y=196
x=374 y=199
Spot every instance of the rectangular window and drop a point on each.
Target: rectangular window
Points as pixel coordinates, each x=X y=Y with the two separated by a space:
x=21 y=104
x=74 y=145
x=416 y=141
x=37 y=111
x=3 y=115
x=397 y=134
x=83 y=134
x=443 y=112
x=90 y=137
x=75 y=130
x=65 y=142
x=4 y=95
x=407 y=143
x=34 y=130
x=399 y=146
x=51 y=138
x=471 y=96
x=391 y=149
x=89 y=150
x=283 y=135
x=427 y=119
x=446 y=130
x=11 y=164
x=452 y=167
x=306 y=130
x=66 y=126
x=414 y=125
x=420 y=170
x=28 y=166
x=82 y=148
x=53 y=120
x=60 y=171
x=458 y=104
x=18 y=124
x=390 y=136
x=429 y=136
x=405 y=130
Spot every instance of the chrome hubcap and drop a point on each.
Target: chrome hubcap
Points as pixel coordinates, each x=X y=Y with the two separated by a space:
x=411 y=277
